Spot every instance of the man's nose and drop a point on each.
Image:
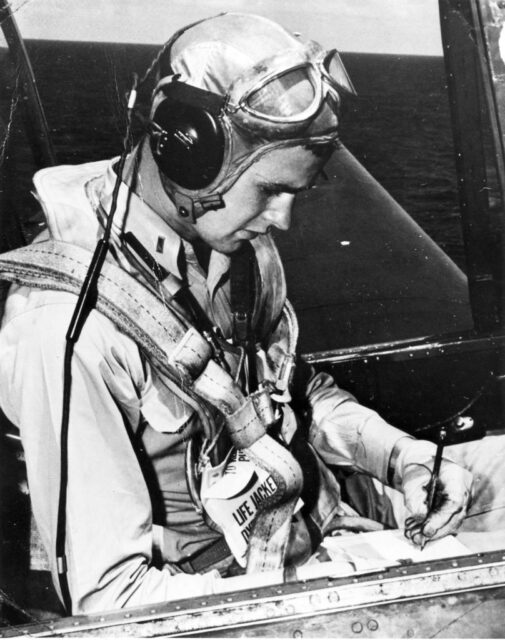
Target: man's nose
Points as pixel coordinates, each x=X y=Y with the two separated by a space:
x=279 y=214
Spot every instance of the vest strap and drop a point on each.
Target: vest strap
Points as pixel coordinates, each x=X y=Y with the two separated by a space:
x=184 y=358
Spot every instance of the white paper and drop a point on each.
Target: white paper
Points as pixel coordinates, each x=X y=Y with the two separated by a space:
x=378 y=549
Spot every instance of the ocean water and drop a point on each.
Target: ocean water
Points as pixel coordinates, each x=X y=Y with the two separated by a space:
x=398 y=128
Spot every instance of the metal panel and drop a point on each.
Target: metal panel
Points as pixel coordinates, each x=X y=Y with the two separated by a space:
x=463 y=52
x=293 y=607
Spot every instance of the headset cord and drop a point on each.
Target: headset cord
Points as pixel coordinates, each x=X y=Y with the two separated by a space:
x=85 y=303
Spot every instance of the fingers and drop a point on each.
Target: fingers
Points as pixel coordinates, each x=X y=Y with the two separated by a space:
x=413 y=531
x=450 y=505
x=433 y=530
x=437 y=525
x=451 y=502
x=445 y=520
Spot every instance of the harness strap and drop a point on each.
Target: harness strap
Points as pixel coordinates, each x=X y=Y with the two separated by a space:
x=206 y=558
x=129 y=304
x=270 y=531
x=183 y=358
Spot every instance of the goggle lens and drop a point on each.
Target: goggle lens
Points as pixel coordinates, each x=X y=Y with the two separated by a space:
x=336 y=73
x=284 y=96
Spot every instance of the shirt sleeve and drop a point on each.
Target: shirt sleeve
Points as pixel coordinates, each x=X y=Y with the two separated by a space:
x=345 y=433
x=109 y=538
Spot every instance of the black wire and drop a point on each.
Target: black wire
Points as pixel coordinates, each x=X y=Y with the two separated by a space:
x=85 y=303
x=61 y=523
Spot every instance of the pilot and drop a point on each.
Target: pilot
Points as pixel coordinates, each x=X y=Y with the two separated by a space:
x=199 y=445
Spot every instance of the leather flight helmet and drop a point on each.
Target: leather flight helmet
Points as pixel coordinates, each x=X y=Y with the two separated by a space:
x=231 y=88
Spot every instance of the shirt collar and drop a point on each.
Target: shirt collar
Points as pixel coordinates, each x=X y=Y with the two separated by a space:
x=136 y=216
x=161 y=241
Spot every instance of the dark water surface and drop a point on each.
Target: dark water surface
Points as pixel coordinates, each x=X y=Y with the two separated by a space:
x=399 y=126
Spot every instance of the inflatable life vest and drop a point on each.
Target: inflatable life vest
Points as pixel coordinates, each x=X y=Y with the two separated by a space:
x=184 y=358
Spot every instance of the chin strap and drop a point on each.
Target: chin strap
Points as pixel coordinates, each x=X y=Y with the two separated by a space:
x=194 y=208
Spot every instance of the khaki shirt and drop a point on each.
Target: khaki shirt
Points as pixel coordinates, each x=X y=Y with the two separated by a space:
x=127 y=504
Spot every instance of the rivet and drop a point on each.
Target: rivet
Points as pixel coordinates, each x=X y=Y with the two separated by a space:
x=372 y=624
x=297 y=633
x=357 y=627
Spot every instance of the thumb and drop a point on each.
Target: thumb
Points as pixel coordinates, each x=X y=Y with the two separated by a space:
x=444 y=520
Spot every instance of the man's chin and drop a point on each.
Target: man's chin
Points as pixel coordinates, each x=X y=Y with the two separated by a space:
x=229 y=246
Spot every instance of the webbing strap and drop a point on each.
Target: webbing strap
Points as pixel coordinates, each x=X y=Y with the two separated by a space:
x=270 y=532
x=183 y=358
x=130 y=305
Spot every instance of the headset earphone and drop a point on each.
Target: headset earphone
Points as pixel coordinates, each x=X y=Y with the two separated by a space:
x=186 y=135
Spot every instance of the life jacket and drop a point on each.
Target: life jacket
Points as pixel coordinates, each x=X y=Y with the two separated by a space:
x=185 y=361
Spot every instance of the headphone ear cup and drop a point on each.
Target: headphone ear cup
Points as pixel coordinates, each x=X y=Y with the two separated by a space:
x=190 y=150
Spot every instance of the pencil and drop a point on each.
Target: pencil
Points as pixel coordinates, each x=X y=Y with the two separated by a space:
x=435 y=473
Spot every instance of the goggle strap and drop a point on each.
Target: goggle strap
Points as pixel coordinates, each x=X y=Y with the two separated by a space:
x=194 y=96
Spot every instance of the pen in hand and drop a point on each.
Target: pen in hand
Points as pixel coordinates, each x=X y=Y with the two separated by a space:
x=432 y=486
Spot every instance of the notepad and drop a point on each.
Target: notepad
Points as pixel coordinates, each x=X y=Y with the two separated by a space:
x=378 y=549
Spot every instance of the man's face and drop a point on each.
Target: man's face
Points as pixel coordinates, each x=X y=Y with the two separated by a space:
x=262 y=198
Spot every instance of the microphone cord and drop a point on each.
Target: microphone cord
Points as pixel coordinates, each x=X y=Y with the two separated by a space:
x=85 y=303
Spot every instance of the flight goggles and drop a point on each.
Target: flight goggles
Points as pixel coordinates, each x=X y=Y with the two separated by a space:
x=288 y=89
x=291 y=98
x=280 y=96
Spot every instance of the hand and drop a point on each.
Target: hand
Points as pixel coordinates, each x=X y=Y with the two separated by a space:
x=452 y=493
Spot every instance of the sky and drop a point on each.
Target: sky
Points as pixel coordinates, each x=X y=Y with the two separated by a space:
x=379 y=26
